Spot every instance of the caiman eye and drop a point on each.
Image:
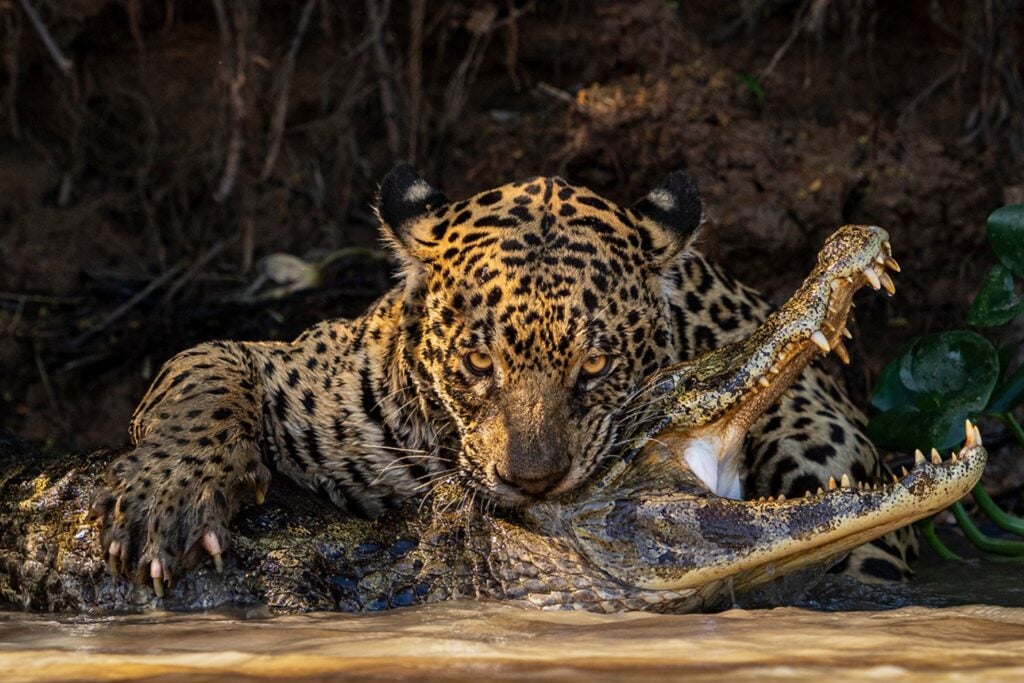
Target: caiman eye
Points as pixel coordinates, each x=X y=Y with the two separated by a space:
x=595 y=365
x=479 y=363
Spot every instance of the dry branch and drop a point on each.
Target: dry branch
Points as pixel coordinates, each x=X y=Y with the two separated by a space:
x=385 y=77
x=62 y=62
x=281 y=112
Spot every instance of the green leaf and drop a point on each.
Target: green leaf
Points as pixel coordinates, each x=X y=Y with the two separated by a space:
x=889 y=392
x=1006 y=235
x=927 y=391
x=957 y=368
x=1009 y=394
x=904 y=429
x=753 y=84
x=997 y=303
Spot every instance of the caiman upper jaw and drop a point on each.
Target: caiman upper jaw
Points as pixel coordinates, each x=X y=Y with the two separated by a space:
x=719 y=396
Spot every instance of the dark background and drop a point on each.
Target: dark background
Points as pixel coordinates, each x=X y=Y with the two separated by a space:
x=151 y=165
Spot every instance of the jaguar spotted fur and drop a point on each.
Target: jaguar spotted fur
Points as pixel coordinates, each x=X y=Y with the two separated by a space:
x=524 y=323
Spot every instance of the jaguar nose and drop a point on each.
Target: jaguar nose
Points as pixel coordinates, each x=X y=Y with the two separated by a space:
x=533 y=482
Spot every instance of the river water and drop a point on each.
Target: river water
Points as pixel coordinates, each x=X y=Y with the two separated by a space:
x=840 y=631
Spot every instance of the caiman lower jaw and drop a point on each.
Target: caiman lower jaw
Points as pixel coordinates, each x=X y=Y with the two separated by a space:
x=750 y=542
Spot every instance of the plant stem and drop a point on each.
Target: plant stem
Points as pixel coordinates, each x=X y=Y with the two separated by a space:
x=1010 y=421
x=985 y=543
x=1002 y=519
x=928 y=530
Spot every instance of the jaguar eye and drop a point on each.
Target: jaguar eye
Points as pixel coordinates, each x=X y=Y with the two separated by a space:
x=479 y=363
x=595 y=365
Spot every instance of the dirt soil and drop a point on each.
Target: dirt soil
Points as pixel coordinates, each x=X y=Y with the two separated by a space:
x=143 y=188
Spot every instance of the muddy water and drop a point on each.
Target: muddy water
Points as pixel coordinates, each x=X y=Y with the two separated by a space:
x=473 y=641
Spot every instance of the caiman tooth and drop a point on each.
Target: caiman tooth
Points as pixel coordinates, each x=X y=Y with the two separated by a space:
x=896 y=479
x=831 y=483
x=807 y=494
x=774 y=370
x=846 y=333
x=781 y=497
x=841 y=352
x=834 y=285
x=872 y=278
x=820 y=491
x=971 y=435
x=936 y=458
x=887 y=283
x=819 y=340
x=918 y=456
x=763 y=381
x=844 y=481
x=903 y=470
x=891 y=264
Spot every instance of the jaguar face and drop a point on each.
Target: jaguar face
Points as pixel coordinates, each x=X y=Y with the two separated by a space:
x=540 y=309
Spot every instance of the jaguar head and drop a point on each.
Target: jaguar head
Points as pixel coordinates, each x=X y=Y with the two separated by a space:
x=533 y=313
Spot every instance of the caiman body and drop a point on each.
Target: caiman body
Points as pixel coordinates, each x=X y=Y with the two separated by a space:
x=649 y=533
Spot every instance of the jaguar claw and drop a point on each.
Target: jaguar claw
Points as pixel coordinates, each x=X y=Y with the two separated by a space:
x=156 y=573
x=113 y=555
x=212 y=546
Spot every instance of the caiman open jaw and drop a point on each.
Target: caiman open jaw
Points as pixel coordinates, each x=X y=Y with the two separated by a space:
x=677 y=542
x=661 y=520
x=713 y=400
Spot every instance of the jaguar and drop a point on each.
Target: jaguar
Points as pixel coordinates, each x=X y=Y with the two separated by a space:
x=507 y=359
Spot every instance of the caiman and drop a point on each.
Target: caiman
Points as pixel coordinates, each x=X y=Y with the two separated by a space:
x=648 y=533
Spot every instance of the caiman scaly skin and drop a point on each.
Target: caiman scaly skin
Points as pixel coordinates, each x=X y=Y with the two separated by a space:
x=648 y=533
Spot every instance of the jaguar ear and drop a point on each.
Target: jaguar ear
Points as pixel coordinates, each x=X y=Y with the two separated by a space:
x=404 y=202
x=671 y=213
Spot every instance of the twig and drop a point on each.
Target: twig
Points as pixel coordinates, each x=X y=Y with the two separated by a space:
x=481 y=24
x=12 y=326
x=127 y=305
x=908 y=111
x=747 y=17
x=417 y=17
x=555 y=93
x=287 y=69
x=196 y=266
x=385 y=78
x=51 y=397
x=10 y=25
x=237 y=82
x=62 y=62
x=40 y=298
x=798 y=25
x=512 y=45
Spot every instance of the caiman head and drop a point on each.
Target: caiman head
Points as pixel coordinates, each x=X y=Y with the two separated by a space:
x=664 y=520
